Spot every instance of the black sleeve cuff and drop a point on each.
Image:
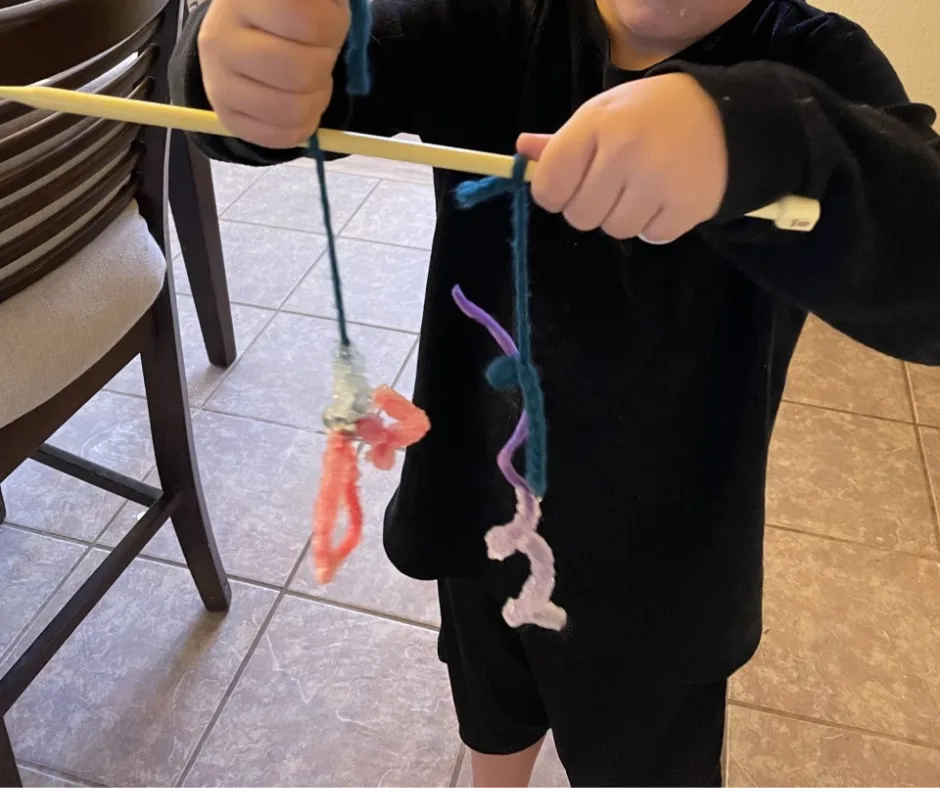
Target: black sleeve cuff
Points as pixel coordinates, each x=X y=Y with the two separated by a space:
x=767 y=148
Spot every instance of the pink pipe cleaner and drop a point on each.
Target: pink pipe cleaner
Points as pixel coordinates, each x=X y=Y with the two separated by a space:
x=519 y=535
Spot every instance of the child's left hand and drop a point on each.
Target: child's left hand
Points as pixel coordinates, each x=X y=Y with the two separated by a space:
x=646 y=159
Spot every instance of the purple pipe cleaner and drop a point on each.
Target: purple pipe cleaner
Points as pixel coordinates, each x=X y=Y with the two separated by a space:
x=520 y=535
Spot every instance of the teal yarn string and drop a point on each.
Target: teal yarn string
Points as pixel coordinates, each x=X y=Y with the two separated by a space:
x=517 y=371
x=316 y=153
x=358 y=81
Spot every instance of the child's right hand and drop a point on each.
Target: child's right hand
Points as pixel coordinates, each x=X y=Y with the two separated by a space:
x=267 y=65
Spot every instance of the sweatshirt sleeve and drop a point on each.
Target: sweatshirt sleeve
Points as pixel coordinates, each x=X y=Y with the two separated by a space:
x=838 y=127
x=425 y=67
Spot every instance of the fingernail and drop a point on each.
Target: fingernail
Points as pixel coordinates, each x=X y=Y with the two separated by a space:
x=646 y=240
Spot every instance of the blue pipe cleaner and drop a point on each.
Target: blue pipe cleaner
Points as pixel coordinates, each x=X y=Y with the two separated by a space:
x=517 y=371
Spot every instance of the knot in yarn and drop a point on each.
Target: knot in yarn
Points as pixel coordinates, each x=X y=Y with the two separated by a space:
x=508 y=372
x=470 y=193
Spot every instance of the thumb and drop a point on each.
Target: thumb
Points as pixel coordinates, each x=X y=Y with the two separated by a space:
x=532 y=146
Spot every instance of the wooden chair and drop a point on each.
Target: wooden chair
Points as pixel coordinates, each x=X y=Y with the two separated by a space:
x=197 y=227
x=192 y=199
x=84 y=284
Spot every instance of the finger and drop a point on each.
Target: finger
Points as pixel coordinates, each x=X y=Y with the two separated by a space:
x=669 y=224
x=597 y=194
x=564 y=163
x=631 y=214
x=260 y=132
x=309 y=22
x=264 y=134
x=276 y=108
x=532 y=145
x=285 y=65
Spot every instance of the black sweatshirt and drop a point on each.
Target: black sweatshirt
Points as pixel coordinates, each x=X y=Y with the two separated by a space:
x=663 y=366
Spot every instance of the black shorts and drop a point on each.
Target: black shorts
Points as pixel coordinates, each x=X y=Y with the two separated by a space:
x=610 y=728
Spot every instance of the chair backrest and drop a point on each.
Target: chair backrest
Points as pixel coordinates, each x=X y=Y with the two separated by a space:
x=64 y=178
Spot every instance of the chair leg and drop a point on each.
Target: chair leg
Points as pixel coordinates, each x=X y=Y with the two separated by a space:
x=192 y=200
x=9 y=773
x=170 y=423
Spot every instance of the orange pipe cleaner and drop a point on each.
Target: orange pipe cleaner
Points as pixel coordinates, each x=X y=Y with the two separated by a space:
x=410 y=425
x=339 y=483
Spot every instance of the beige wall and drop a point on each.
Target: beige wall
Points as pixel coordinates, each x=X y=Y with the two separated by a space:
x=909 y=33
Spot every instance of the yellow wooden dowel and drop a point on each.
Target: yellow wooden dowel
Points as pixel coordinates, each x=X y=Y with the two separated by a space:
x=796 y=213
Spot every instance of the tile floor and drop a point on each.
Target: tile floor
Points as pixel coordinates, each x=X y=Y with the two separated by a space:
x=300 y=685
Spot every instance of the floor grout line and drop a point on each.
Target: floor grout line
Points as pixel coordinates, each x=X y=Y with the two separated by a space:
x=843 y=540
x=458 y=765
x=254 y=583
x=833 y=724
x=283 y=592
x=318 y=234
x=14 y=644
x=262 y=173
x=30 y=529
x=401 y=370
x=925 y=462
x=240 y=354
x=313 y=266
x=726 y=743
x=844 y=412
x=236 y=578
x=931 y=488
x=338 y=234
x=207 y=408
x=49 y=771
x=741 y=768
x=240 y=671
x=125 y=393
x=354 y=608
x=307 y=163
x=79 y=542
x=364 y=324
x=8 y=652
x=89 y=546
x=912 y=397
x=284 y=310
x=257 y=172
x=330 y=319
x=338 y=227
x=305 y=595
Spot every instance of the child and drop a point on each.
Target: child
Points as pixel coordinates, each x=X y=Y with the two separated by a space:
x=662 y=363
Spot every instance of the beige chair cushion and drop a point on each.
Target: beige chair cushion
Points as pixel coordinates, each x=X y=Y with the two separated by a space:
x=55 y=330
